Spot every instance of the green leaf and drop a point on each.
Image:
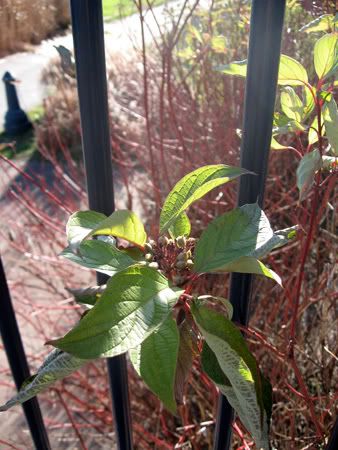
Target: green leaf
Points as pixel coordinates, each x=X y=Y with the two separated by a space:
x=309 y=100
x=326 y=55
x=134 y=304
x=278 y=239
x=99 y=256
x=291 y=72
x=87 y=296
x=212 y=368
x=228 y=237
x=228 y=306
x=249 y=264
x=275 y=145
x=308 y=166
x=236 y=68
x=219 y=44
x=155 y=360
x=186 y=353
x=283 y=125
x=330 y=116
x=291 y=104
x=123 y=224
x=80 y=224
x=322 y=23
x=195 y=33
x=181 y=226
x=57 y=365
x=192 y=187
x=133 y=252
x=239 y=367
x=313 y=130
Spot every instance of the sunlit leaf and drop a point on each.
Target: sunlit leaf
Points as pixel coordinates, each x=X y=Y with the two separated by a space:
x=275 y=145
x=326 y=55
x=309 y=100
x=313 y=130
x=192 y=187
x=123 y=224
x=330 y=116
x=322 y=23
x=181 y=226
x=80 y=224
x=219 y=44
x=291 y=104
x=291 y=72
x=236 y=68
x=135 y=303
x=249 y=264
x=283 y=125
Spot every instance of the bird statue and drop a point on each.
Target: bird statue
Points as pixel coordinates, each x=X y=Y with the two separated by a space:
x=67 y=60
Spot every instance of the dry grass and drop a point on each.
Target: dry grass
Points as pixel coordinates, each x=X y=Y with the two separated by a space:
x=24 y=22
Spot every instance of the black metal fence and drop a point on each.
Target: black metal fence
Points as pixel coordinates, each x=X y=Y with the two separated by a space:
x=264 y=51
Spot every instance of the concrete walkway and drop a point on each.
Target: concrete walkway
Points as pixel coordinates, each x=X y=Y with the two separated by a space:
x=120 y=35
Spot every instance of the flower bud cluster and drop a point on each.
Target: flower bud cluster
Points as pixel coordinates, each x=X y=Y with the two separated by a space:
x=173 y=257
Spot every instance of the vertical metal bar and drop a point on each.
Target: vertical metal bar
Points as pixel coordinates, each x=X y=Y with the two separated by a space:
x=333 y=441
x=88 y=36
x=18 y=363
x=267 y=18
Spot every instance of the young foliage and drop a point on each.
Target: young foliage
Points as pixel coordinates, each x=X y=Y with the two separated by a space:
x=146 y=308
x=181 y=226
x=192 y=187
x=317 y=108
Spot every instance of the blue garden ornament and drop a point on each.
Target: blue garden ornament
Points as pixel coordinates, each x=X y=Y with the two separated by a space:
x=16 y=120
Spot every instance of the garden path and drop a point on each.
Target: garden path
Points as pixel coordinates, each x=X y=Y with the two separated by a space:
x=27 y=67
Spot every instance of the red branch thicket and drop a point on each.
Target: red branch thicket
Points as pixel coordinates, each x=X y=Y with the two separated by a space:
x=171 y=112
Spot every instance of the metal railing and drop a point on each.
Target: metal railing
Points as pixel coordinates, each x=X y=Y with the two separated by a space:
x=264 y=52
